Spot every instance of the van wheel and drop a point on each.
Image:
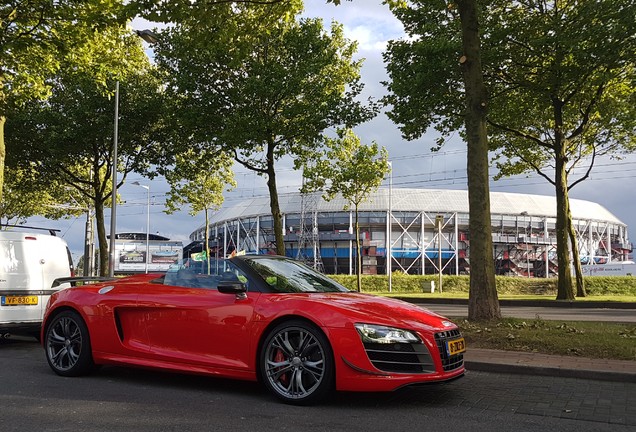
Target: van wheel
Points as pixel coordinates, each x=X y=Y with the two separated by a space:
x=68 y=346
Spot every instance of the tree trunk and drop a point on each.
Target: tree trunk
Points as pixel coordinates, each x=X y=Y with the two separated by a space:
x=564 y=283
x=3 y=154
x=206 y=239
x=483 y=303
x=358 y=254
x=576 y=259
x=273 y=202
x=101 y=239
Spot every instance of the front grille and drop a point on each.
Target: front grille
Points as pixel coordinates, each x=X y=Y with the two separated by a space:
x=448 y=362
x=400 y=357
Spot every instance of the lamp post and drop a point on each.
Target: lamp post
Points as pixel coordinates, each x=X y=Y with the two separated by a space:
x=151 y=38
x=147 y=222
x=389 y=254
x=113 y=207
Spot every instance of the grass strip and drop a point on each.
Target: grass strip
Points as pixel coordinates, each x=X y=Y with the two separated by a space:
x=570 y=338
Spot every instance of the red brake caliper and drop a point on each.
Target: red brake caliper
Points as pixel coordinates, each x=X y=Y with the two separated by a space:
x=280 y=357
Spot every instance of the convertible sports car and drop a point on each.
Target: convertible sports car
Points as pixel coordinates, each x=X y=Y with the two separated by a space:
x=258 y=317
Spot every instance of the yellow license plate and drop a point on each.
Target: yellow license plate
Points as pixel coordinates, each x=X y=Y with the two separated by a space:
x=456 y=346
x=19 y=300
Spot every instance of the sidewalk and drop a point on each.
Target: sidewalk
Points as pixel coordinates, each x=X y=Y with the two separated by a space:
x=551 y=365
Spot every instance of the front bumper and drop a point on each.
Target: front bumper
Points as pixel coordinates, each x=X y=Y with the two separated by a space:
x=358 y=369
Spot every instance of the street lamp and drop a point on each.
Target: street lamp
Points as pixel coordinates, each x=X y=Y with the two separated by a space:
x=147 y=222
x=151 y=38
x=148 y=36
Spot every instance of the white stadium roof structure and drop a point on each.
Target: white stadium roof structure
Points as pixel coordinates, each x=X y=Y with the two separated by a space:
x=430 y=200
x=523 y=230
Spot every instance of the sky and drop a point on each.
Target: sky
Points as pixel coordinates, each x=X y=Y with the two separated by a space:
x=372 y=25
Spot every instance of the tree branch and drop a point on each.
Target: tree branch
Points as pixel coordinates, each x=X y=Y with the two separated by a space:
x=247 y=165
x=521 y=134
x=586 y=114
x=589 y=169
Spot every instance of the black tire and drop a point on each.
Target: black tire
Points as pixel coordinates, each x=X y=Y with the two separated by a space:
x=296 y=363
x=67 y=345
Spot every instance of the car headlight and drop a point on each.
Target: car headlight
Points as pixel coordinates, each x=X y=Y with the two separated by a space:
x=372 y=333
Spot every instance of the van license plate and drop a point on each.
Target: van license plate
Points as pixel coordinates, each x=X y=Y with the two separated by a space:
x=19 y=300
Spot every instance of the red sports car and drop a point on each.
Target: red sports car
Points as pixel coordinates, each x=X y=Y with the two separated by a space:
x=256 y=317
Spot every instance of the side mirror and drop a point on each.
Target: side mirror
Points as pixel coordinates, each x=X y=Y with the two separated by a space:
x=237 y=288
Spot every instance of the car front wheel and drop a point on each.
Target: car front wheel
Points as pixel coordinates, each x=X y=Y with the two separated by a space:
x=297 y=363
x=67 y=345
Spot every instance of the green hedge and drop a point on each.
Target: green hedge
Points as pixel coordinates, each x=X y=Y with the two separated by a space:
x=401 y=283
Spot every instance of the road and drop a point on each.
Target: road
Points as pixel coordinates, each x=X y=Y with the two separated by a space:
x=546 y=313
x=32 y=398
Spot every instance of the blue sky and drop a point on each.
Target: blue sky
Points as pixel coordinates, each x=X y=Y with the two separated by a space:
x=372 y=25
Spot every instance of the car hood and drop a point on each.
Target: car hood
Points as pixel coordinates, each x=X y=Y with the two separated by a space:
x=355 y=307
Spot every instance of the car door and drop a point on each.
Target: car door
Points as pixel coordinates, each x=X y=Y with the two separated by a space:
x=199 y=326
x=117 y=321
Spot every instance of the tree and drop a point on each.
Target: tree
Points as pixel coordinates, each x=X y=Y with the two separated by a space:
x=427 y=89
x=559 y=95
x=564 y=95
x=352 y=170
x=68 y=138
x=34 y=37
x=25 y=196
x=252 y=80
x=199 y=181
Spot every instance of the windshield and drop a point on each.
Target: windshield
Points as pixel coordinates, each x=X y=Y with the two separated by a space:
x=288 y=276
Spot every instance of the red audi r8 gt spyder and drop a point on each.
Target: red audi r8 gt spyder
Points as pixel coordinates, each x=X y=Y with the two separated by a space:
x=252 y=317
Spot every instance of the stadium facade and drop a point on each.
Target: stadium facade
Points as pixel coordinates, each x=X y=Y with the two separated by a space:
x=417 y=231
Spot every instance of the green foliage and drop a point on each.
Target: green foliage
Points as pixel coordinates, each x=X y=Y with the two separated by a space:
x=425 y=87
x=256 y=82
x=347 y=168
x=25 y=195
x=402 y=283
x=537 y=56
x=560 y=85
x=70 y=136
x=561 y=80
x=36 y=37
x=199 y=181
x=606 y=285
x=350 y=169
x=68 y=139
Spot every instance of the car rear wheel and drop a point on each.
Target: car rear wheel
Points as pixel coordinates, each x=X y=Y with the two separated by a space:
x=67 y=345
x=297 y=363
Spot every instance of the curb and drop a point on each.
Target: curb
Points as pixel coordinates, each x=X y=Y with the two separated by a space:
x=530 y=303
x=476 y=365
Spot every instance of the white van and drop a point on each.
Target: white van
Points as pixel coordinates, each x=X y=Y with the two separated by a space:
x=29 y=263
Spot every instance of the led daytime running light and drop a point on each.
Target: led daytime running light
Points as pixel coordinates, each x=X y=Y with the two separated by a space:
x=371 y=333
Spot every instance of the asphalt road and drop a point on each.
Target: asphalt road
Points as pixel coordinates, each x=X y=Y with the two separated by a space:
x=546 y=313
x=33 y=398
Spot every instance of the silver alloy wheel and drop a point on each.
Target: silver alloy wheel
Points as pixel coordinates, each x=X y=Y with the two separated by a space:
x=64 y=343
x=294 y=363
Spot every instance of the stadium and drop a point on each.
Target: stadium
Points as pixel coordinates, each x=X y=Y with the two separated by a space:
x=417 y=231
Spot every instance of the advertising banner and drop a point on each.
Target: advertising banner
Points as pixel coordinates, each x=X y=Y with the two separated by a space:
x=131 y=255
